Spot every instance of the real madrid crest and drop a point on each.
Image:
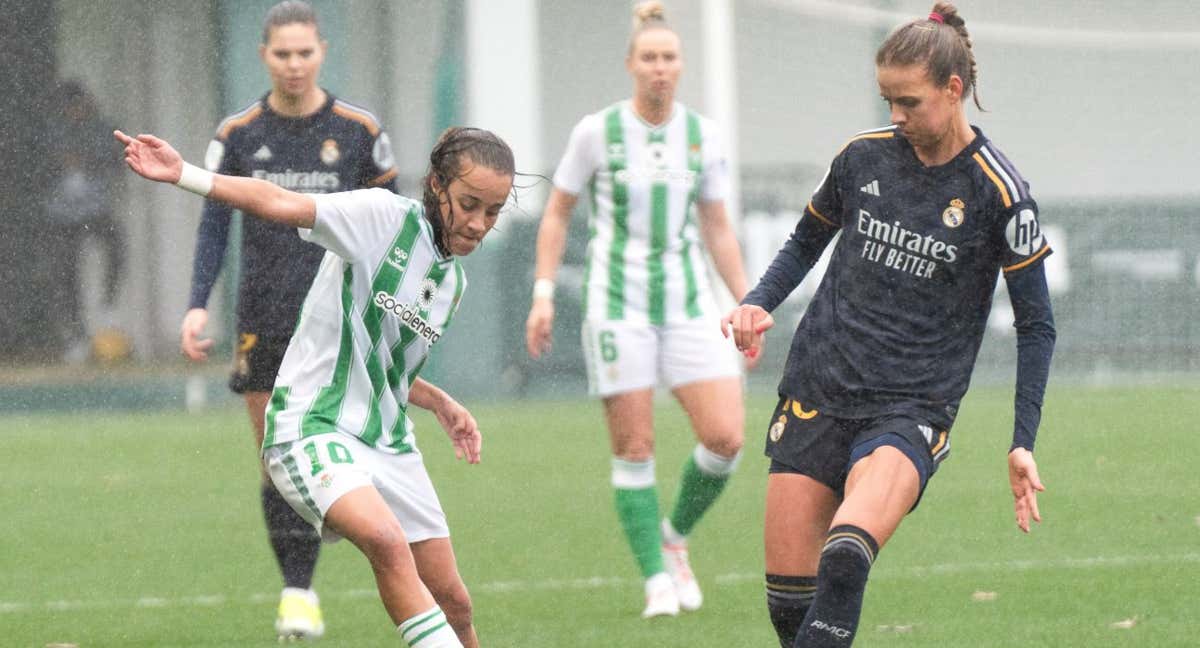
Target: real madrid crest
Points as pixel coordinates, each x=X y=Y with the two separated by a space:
x=329 y=152
x=776 y=431
x=954 y=216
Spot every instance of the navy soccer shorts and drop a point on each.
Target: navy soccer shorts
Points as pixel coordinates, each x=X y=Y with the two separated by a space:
x=804 y=441
x=256 y=362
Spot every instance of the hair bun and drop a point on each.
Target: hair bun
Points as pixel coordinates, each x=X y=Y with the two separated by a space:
x=648 y=12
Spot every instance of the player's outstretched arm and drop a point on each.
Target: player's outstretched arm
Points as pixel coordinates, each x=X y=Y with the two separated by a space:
x=458 y=423
x=155 y=159
x=551 y=241
x=1025 y=483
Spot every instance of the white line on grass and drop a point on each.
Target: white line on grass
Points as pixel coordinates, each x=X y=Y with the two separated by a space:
x=601 y=582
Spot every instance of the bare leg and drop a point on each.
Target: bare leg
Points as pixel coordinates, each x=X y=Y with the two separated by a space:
x=630 y=418
x=439 y=571
x=717 y=414
x=256 y=408
x=880 y=490
x=362 y=517
x=799 y=510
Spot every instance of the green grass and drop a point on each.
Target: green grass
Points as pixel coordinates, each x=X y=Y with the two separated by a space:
x=144 y=530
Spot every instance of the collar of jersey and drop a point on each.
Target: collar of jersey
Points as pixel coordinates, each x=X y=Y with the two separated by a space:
x=321 y=112
x=953 y=162
x=675 y=108
x=437 y=252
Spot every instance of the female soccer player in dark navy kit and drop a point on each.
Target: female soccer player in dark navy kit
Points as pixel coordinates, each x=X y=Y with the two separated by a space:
x=300 y=137
x=929 y=213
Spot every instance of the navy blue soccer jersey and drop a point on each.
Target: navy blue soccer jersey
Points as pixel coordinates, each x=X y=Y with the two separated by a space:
x=898 y=318
x=339 y=148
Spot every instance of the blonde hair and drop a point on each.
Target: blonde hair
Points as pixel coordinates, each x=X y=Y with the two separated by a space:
x=646 y=16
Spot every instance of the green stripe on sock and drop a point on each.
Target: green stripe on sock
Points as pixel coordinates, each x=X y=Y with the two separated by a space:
x=697 y=492
x=428 y=632
x=637 y=510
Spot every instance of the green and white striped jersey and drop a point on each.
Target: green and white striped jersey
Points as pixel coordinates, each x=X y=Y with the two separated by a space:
x=381 y=299
x=644 y=262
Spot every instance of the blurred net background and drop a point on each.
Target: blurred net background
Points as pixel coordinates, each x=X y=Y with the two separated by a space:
x=1090 y=100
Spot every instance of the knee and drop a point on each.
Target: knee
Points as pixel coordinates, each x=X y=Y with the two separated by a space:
x=634 y=449
x=726 y=446
x=385 y=547
x=456 y=604
x=718 y=459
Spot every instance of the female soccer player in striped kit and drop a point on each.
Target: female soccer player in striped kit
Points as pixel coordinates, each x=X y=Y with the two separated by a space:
x=302 y=138
x=658 y=181
x=338 y=442
x=930 y=212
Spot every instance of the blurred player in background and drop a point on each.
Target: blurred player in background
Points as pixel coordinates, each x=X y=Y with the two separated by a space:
x=81 y=207
x=339 y=444
x=930 y=212
x=302 y=138
x=658 y=180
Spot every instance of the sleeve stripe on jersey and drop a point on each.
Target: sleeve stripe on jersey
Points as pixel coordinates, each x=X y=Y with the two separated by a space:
x=1003 y=171
x=386 y=177
x=887 y=133
x=1037 y=255
x=237 y=121
x=814 y=212
x=357 y=114
x=1004 y=195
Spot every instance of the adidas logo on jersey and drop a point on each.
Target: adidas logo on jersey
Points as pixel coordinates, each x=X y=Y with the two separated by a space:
x=262 y=154
x=871 y=188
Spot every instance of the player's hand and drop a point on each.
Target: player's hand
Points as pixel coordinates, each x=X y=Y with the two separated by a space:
x=753 y=360
x=1023 y=477
x=193 y=346
x=151 y=157
x=539 y=327
x=746 y=324
x=462 y=429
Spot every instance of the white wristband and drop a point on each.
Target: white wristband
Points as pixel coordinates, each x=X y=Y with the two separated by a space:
x=543 y=289
x=195 y=179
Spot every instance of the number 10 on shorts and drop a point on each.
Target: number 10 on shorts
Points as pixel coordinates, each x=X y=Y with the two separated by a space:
x=337 y=453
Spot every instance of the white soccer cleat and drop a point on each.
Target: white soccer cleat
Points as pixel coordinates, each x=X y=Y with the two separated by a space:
x=675 y=555
x=299 y=616
x=660 y=597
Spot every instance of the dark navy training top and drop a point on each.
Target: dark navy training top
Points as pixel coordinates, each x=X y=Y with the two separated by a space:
x=897 y=321
x=338 y=148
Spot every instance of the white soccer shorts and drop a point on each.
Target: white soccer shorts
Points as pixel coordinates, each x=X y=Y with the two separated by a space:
x=314 y=472
x=623 y=356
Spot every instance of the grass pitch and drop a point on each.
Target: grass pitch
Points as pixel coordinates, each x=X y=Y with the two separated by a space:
x=137 y=530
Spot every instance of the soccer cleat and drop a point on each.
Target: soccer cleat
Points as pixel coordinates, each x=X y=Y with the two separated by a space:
x=299 y=615
x=660 y=597
x=675 y=555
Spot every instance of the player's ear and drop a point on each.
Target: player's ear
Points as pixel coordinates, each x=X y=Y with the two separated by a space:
x=955 y=87
x=262 y=52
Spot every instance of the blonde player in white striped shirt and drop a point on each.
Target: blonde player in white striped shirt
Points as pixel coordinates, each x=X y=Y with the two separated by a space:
x=652 y=166
x=338 y=442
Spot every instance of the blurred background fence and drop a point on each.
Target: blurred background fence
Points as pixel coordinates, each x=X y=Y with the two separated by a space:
x=1089 y=103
